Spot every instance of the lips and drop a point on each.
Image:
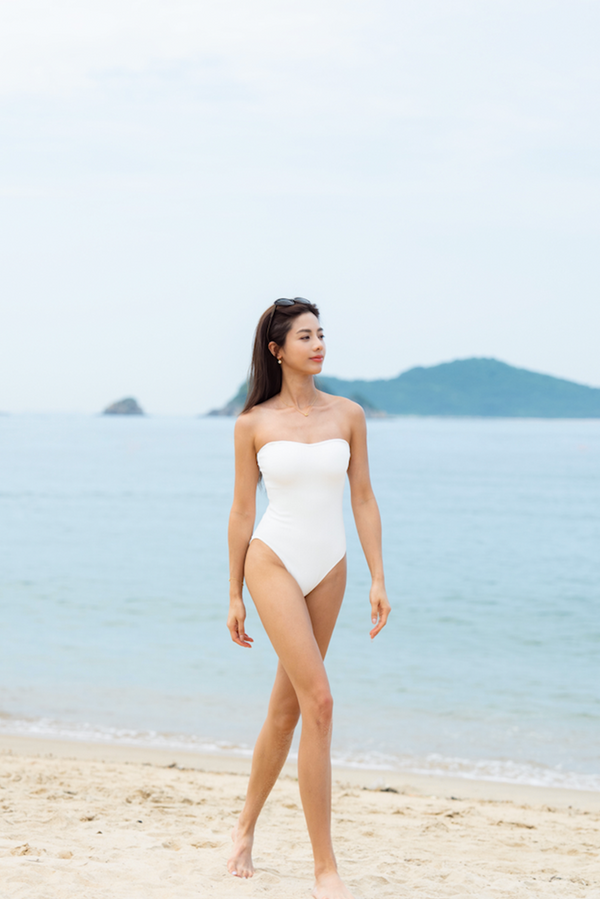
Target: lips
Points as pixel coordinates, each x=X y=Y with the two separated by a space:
x=316 y=358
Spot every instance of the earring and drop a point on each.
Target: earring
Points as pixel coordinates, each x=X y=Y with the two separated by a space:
x=279 y=360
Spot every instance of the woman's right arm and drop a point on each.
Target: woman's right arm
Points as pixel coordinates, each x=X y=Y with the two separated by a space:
x=241 y=523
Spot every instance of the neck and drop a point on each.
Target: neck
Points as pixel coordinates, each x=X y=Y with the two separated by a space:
x=297 y=389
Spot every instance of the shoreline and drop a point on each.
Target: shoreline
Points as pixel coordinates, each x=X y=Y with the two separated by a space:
x=374 y=779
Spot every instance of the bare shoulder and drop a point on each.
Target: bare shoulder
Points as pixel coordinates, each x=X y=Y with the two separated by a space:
x=353 y=413
x=249 y=425
x=246 y=425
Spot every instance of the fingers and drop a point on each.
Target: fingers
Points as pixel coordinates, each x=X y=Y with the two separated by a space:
x=238 y=633
x=376 y=630
x=379 y=618
x=242 y=640
x=373 y=633
x=240 y=637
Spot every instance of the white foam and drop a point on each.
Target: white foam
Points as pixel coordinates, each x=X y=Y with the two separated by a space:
x=499 y=770
x=90 y=733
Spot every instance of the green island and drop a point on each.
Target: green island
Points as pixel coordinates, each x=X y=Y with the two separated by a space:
x=468 y=387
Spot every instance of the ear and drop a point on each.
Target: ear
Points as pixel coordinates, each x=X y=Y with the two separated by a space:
x=273 y=348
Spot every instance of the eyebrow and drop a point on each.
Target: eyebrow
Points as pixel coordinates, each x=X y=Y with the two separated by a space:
x=308 y=330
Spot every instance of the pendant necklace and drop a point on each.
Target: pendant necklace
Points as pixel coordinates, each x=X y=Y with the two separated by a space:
x=305 y=414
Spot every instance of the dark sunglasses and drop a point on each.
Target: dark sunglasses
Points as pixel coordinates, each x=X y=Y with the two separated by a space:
x=284 y=301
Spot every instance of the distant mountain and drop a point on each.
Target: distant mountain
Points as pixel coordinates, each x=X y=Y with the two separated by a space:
x=127 y=406
x=471 y=387
x=235 y=405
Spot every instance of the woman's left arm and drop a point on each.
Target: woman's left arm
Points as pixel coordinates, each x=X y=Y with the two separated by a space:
x=367 y=518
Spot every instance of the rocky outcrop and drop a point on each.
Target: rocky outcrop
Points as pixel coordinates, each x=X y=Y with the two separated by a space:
x=235 y=405
x=127 y=406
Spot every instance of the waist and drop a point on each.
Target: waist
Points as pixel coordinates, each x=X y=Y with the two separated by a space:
x=309 y=522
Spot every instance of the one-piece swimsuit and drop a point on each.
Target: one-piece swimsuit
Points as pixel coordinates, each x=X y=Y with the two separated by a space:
x=304 y=523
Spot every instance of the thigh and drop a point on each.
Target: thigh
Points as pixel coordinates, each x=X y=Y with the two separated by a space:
x=299 y=628
x=324 y=603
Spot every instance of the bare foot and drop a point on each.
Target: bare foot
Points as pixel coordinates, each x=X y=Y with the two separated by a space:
x=240 y=861
x=330 y=886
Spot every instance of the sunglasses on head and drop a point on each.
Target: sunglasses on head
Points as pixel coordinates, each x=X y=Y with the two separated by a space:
x=284 y=301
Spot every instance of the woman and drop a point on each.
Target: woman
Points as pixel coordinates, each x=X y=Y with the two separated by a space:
x=302 y=441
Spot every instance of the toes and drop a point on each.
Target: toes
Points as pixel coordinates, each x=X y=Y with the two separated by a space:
x=239 y=871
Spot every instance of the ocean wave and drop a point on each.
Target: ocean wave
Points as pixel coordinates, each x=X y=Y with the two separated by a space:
x=91 y=733
x=498 y=770
x=433 y=764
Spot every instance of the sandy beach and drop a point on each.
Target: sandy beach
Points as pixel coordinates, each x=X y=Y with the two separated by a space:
x=86 y=820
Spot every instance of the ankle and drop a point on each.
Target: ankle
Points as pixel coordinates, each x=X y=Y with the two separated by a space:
x=244 y=830
x=325 y=869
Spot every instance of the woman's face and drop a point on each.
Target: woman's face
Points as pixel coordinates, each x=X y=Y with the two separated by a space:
x=304 y=347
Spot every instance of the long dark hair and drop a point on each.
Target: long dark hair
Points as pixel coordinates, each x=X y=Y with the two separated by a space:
x=264 y=380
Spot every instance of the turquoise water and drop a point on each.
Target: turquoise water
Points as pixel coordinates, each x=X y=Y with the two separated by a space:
x=113 y=592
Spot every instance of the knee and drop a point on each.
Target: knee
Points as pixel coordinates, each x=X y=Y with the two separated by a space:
x=285 y=719
x=320 y=709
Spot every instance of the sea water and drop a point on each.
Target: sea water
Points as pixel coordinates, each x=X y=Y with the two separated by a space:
x=114 y=593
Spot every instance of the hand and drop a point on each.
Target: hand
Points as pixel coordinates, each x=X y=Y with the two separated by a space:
x=236 y=623
x=380 y=608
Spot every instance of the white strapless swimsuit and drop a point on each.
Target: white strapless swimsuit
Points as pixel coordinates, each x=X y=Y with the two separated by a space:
x=304 y=524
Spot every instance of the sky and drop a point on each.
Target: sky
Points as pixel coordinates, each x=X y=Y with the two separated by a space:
x=427 y=172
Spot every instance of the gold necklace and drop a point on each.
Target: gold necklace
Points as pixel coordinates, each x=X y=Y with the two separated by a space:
x=305 y=414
